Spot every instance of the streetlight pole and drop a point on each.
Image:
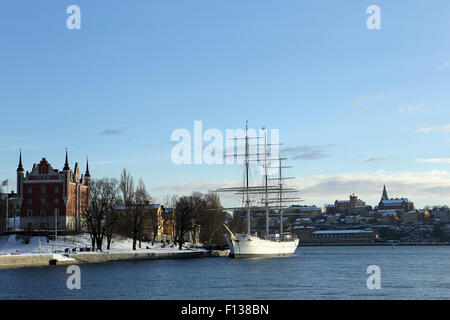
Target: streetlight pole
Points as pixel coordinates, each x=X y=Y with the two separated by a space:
x=7 y=196
x=56 y=230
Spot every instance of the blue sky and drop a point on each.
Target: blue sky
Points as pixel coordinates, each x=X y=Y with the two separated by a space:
x=356 y=108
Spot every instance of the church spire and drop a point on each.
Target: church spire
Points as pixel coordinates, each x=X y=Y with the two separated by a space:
x=66 y=164
x=20 y=167
x=87 y=174
x=385 y=195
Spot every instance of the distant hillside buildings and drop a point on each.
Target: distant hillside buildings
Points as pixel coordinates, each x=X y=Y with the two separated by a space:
x=352 y=213
x=352 y=206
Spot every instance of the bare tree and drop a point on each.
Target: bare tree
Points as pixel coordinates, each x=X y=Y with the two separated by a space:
x=100 y=214
x=198 y=216
x=141 y=206
x=212 y=220
x=135 y=202
x=128 y=193
x=111 y=214
x=184 y=213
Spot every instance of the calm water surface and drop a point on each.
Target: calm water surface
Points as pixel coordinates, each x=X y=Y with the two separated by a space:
x=313 y=273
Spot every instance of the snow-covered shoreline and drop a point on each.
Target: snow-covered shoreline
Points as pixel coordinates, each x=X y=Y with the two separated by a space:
x=15 y=253
x=13 y=245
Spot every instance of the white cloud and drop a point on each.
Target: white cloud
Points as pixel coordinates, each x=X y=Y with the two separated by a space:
x=434 y=186
x=424 y=188
x=409 y=109
x=429 y=129
x=434 y=160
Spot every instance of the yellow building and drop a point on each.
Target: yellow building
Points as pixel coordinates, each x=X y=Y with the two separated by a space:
x=416 y=217
x=162 y=220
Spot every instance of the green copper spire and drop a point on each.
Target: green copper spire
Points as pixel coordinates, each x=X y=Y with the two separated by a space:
x=385 y=195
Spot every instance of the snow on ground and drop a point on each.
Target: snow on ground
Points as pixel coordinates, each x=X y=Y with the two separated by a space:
x=60 y=257
x=12 y=244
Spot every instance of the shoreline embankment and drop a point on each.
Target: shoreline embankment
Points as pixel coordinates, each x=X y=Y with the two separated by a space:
x=369 y=244
x=40 y=260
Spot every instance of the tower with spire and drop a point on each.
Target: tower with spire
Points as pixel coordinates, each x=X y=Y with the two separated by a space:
x=385 y=195
x=20 y=176
x=87 y=175
x=67 y=175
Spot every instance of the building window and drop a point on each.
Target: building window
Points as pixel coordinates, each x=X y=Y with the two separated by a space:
x=43 y=201
x=30 y=190
x=43 y=190
x=43 y=213
x=56 y=201
x=29 y=213
x=29 y=201
x=56 y=189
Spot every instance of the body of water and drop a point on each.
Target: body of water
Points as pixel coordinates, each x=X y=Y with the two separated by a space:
x=407 y=272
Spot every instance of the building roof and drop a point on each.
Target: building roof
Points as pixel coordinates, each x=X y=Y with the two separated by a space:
x=341 y=231
x=304 y=208
x=396 y=201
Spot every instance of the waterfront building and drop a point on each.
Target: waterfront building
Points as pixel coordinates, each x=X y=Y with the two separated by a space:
x=47 y=196
x=341 y=237
x=303 y=232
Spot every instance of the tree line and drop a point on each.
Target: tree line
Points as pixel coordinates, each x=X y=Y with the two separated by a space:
x=123 y=207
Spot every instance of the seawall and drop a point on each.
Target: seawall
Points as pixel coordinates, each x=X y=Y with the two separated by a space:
x=105 y=257
x=343 y=244
x=36 y=260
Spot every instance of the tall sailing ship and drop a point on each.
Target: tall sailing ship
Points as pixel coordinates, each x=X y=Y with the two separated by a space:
x=269 y=196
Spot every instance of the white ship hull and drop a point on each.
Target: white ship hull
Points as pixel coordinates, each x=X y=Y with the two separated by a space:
x=246 y=246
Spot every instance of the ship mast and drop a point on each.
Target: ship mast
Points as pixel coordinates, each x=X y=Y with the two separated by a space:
x=266 y=202
x=281 y=198
x=247 y=177
x=271 y=196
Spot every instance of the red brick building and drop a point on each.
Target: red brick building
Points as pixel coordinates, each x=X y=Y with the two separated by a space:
x=47 y=195
x=346 y=206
